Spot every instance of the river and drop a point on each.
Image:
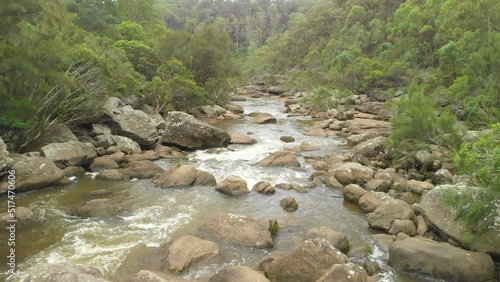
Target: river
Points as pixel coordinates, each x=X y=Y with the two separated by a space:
x=155 y=216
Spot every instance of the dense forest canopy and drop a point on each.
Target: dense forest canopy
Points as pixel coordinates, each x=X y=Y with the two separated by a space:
x=59 y=55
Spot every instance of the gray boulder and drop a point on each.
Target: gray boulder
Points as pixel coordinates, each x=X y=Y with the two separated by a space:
x=353 y=193
x=184 y=130
x=105 y=208
x=71 y=153
x=126 y=145
x=134 y=124
x=372 y=200
x=441 y=260
x=370 y=148
x=237 y=138
x=262 y=118
x=440 y=218
x=263 y=187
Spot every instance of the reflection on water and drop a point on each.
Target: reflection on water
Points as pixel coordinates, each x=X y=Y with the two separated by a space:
x=155 y=216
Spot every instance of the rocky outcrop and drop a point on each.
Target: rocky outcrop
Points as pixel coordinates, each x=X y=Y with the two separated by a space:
x=237 y=138
x=232 y=186
x=33 y=173
x=306 y=262
x=188 y=250
x=238 y=274
x=440 y=218
x=185 y=131
x=242 y=230
x=184 y=176
x=63 y=272
x=441 y=260
x=106 y=208
x=71 y=153
x=262 y=118
x=280 y=158
x=336 y=239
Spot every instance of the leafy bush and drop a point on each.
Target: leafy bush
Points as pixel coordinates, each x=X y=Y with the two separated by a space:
x=416 y=124
x=479 y=208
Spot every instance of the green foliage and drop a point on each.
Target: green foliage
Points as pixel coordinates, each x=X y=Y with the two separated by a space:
x=131 y=31
x=479 y=207
x=323 y=99
x=415 y=124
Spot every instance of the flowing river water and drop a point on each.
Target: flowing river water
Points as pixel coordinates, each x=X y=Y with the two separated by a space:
x=155 y=216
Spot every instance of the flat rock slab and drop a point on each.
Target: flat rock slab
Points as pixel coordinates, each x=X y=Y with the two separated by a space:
x=242 y=230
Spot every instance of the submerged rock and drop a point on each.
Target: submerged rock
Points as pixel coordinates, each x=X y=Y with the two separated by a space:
x=262 y=118
x=187 y=250
x=336 y=239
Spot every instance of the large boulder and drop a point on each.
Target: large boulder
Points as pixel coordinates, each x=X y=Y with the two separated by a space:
x=71 y=153
x=440 y=218
x=6 y=161
x=262 y=118
x=233 y=186
x=306 y=262
x=33 y=173
x=289 y=204
x=441 y=260
x=63 y=272
x=242 y=230
x=369 y=148
x=345 y=272
x=263 y=187
x=135 y=124
x=349 y=172
x=142 y=170
x=280 y=158
x=384 y=216
x=238 y=274
x=336 y=239
x=184 y=130
x=187 y=250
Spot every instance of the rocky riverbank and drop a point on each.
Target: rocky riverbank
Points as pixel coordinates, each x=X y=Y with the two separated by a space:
x=403 y=200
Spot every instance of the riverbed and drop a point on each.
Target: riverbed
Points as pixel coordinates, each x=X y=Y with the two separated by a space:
x=155 y=216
